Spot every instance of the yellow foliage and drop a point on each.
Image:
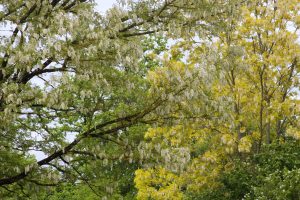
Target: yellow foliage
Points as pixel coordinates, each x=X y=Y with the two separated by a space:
x=245 y=144
x=293 y=132
x=158 y=184
x=256 y=135
x=176 y=136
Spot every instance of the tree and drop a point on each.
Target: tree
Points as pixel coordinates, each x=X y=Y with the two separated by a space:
x=248 y=100
x=153 y=100
x=69 y=72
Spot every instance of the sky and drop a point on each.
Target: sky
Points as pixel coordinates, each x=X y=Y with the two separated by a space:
x=103 y=5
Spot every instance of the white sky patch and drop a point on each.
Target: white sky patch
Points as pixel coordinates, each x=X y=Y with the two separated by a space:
x=104 y=5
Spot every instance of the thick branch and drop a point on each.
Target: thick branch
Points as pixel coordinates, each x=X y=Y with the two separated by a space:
x=127 y=121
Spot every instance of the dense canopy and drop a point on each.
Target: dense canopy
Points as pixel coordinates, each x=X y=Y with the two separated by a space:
x=154 y=99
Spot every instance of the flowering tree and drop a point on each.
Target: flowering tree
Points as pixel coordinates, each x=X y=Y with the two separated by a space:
x=73 y=81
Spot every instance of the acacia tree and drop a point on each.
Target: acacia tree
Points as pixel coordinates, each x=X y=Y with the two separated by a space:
x=69 y=72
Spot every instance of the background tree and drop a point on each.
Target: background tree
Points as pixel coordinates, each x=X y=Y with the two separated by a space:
x=249 y=90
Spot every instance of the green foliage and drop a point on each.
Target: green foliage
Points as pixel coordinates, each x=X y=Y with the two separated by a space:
x=271 y=174
x=72 y=192
x=279 y=185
